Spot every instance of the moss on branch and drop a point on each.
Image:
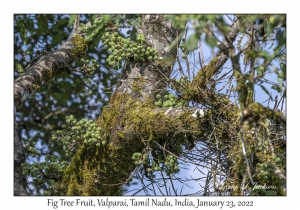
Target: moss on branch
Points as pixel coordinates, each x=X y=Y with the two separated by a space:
x=80 y=46
x=129 y=126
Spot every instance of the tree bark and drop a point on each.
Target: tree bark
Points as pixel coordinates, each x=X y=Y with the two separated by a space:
x=45 y=69
x=19 y=158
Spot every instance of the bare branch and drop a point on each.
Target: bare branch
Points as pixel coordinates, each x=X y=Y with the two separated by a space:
x=44 y=69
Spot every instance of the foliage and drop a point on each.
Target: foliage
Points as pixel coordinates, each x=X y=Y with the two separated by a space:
x=66 y=94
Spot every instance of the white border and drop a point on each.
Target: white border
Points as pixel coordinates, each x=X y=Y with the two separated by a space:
x=8 y=8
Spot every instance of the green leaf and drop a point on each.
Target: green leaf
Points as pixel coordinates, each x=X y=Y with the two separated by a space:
x=72 y=19
x=93 y=18
x=192 y=42
x=269 y=28
x=92 y=32
x=280 y=75
x=253 y=53
x=133 y=34
x=106 y=18
x=23 y=33
x=266 y=91
x=264 y=54
x=267 y=123
x=30 y=26
x=118 y=17
x=43 y=24
x=19 y=67
x=282 y=39
x=284 y=93
x=260 y=70
x=222 y=25
x=211 y=41
x=283 y=69
x=277 y=87
x=61 y=22
x=280 y=82
x=211 y=17
x=135 y=21
x=175 y=41
x=57 y=38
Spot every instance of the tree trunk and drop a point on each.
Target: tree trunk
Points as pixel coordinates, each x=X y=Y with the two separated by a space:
x=19 y=158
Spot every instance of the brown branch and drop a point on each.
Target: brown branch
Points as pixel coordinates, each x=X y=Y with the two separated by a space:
x=44 y=70
x=19 y=158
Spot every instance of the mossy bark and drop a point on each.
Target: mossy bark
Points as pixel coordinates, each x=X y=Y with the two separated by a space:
x=19 y=158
